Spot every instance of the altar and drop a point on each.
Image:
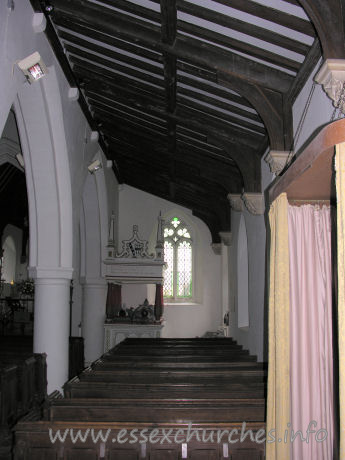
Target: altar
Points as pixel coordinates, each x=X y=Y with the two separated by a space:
x=133 y=265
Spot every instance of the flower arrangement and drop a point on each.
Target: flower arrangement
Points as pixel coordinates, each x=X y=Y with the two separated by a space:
x=26 y=287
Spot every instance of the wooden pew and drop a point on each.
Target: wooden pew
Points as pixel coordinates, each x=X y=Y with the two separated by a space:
x=22 y=389
x=34 y=443
x=84 y=389
x=204 y=376
x=154 y=384
x=160 y=410
x=9 y=403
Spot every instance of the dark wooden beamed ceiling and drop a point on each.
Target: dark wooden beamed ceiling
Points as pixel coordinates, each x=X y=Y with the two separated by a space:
x=187 y=94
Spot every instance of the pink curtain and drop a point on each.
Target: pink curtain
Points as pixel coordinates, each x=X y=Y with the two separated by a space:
x=311 y=366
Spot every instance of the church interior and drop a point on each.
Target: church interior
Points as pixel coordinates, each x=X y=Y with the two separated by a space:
x=172 y=229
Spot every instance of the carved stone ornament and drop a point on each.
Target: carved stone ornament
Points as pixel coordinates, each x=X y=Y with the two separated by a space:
x=135 y=247
x=94 y=136
x=134 y=264
x=332 y=77
x=73 y=94
x=39 y=22
x=254 y=202
x=236 y=202
x=226 y=238
x=276 y=159
x=217 y=248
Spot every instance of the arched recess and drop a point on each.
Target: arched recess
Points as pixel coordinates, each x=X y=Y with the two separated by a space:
x=38 y=109
x=8 y=272
x=93 y=241
x=242 y=276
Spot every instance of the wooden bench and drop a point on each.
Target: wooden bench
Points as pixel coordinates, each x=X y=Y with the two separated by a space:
x=84 y=389
x=34 y=443
x=156 y=383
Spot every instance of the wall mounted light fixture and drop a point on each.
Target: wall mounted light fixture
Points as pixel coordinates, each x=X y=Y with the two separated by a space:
x=33 y=67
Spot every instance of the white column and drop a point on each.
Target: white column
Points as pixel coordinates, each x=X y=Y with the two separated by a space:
x=93 y=317
x=51 y=327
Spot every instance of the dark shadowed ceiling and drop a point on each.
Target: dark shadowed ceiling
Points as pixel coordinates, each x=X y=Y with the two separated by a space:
x=188 y=94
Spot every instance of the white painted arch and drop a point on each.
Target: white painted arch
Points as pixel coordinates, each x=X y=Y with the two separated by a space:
x=93 y=240
x=39 y=116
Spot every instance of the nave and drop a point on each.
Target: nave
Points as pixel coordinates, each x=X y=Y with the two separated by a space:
x=152 y=385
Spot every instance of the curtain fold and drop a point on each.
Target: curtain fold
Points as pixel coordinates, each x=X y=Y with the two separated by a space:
x=340 y=187
x=311 y=365
x=278 y=384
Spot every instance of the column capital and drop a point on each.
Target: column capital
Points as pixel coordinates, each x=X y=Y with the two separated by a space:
x=236 y=202
x=226 y=238
x=50 y=272
x=94 y=136
x=332 y=77
x=254 y=202
x=73 y=94
x=39 y=22
x=96 y=282
x=276 y=159
x=217 y=248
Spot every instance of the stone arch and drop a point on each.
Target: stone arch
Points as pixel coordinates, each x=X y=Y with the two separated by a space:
x=47 y=170
x=39 y=114
x=93 y=235
x=94 y=224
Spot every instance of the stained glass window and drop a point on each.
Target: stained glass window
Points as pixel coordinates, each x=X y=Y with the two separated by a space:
x=179 y=261
x=168 y=287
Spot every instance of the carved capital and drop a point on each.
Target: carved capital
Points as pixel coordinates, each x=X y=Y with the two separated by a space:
x=217 y=248
x=254 y=202
x=226 y=238
x=332 y=77
x=39 y=22
x=94 y=136
x=73 y=94
x=276 y=159
x=236 y=202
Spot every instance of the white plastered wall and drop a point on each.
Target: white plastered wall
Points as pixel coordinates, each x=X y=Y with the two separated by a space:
x=182 y=320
